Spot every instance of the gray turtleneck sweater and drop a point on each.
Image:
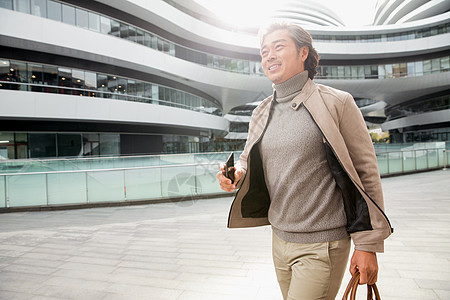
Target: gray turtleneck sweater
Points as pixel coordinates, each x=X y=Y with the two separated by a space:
x=306 y=204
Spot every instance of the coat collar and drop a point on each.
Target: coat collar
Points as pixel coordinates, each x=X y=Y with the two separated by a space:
x=305 y=94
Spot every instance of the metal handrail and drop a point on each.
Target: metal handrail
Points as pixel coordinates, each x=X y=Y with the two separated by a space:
x=414 y=153
x=419 y=149
x=110 y=169
x=108 y=157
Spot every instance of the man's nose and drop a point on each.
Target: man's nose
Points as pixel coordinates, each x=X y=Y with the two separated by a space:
x=271 y=56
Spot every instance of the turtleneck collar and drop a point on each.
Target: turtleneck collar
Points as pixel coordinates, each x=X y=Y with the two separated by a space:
x=287 y=90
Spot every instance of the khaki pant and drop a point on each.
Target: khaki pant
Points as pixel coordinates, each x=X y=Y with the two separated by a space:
x=310 y=271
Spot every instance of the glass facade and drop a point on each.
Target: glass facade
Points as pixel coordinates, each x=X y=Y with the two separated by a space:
x=388 y=37
x=23 y=145
x=419 y=106
x=27 y=76
x=383 y=71
x=96 y=22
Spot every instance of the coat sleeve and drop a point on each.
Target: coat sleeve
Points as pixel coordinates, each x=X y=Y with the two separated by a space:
x=359 y=144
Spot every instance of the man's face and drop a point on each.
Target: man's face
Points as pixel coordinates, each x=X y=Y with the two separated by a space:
x=280 y=58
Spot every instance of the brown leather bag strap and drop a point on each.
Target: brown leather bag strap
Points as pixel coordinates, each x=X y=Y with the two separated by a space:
x=353 y=286
x=375 y=291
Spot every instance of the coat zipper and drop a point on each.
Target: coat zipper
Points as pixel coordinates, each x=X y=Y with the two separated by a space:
x=249 y=152
x=337 y=157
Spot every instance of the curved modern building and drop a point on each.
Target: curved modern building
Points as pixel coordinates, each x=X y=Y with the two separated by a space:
x=80 y=78
x=400 y=11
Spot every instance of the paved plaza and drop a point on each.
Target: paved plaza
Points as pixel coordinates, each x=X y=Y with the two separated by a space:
x=183 y=251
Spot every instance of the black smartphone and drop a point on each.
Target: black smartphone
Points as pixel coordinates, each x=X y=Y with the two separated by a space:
x=229 y=167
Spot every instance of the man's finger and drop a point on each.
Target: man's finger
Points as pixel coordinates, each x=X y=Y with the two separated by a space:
x=363 y=278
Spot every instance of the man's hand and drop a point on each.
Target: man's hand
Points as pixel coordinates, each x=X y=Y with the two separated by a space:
x=225 y=183
x=366 y=263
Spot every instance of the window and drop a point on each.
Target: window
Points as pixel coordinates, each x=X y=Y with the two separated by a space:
x=65 y=80
x=22 y=6
x=90 y=82
x=426 y=67
x=18 y=71
x=21 y=145
x=333 y=72
x=105 y=25
x=371 y=72
x=50 y=78
x=161 y=93
x=35 y=76
x=435 y=65
x=347 y=72
x=172 y=49
x=54 y=10
x=154 y=42
x=6 y=4
x=246 y=66
x=94 y=22
x=82 y=18
x=132 y=33
x=140 y=36
x=102 y=86
x=340 y=72
x=4 y=74
x=68 y=144
x=155 y=92
x=445 y=64
x=39 y=8
x=396 y=70
x=122 y=87
x=115 y=28
x=388 y=71
x=403 y=69
x=148 y=92
x=140 y=89
x=91 y=144
x=147 y=39
x=112 y=86
x=68 y=14
x=419 y=68
x=411 y=66
x=160 y=45
x=381 y=72
x=7 y=144
x=42 y=144
x=78 y=82
x=124 y=31
x=109 y=144
x=131 y=89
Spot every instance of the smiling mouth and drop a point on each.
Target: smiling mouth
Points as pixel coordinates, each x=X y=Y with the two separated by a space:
x=271 y=68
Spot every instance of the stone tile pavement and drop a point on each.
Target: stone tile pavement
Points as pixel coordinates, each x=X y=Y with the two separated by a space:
x=183 y=251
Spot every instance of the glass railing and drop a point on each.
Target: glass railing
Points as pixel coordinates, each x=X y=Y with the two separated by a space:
x=109 y=179
x=62 y=182
x=409 y=161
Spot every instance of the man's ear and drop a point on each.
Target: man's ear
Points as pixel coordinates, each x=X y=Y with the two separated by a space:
x=304 y=51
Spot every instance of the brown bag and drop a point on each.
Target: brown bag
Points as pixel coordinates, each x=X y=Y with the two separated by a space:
x=353 y=285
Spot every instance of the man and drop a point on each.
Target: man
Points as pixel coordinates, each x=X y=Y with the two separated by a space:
x=310 y=171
